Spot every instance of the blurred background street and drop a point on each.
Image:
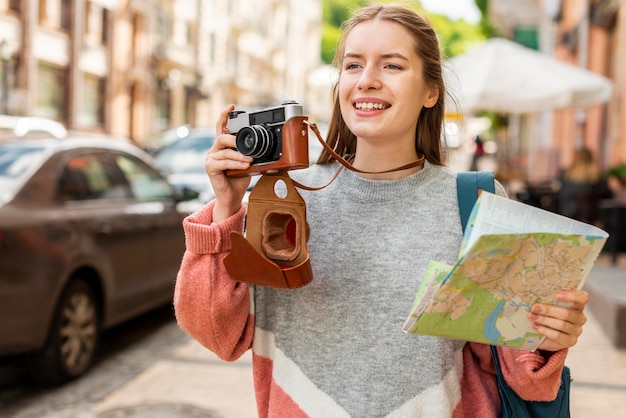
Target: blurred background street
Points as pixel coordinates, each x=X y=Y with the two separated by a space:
x=107 y=109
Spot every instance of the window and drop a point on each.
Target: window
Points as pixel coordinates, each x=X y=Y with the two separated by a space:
x=91 y=113
x=144 y=182
x=15 y=163
x=91 y=176
x=163 y=30
x=15 y=5
x=95 y=24
x=163 y=107
x=54 y=13
x=51 y=94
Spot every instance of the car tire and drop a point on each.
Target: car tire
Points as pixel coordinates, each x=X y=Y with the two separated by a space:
x=74 y=337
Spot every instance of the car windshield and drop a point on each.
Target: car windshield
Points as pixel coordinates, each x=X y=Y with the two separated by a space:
x=185 y=155
x=15 y=162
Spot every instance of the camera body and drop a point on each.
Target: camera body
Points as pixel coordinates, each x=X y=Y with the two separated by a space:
x=275 y=137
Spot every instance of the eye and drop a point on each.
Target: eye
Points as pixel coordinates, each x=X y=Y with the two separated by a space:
x=393 y=67
x=352 y=66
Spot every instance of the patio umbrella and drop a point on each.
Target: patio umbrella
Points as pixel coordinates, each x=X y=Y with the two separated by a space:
x=503 y=76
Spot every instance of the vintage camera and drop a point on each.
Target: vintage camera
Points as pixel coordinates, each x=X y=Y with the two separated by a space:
x=276 y=138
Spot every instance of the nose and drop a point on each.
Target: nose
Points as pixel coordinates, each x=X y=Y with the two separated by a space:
x=370 y=79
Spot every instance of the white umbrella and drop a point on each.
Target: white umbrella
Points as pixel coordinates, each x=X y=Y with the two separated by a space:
x=503 y=76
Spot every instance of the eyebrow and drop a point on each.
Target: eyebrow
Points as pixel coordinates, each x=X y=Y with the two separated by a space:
x=386 y=56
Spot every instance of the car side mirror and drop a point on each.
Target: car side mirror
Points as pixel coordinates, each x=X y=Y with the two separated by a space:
x=186 y=194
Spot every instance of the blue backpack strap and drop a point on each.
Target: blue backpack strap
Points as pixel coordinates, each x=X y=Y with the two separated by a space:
x=467 y=185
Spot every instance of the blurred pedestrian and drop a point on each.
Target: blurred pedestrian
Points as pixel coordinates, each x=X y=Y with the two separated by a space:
x=581 y=187
x=479 y=152
x=335 y=347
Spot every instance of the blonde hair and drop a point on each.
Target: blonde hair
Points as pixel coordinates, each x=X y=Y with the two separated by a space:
x=583 y=168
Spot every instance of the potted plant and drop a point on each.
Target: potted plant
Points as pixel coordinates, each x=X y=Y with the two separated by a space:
x=619 y=173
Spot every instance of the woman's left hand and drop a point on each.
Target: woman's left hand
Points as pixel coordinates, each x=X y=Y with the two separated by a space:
x=561 y=326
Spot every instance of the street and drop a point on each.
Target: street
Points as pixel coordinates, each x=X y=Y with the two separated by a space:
x=126 y=351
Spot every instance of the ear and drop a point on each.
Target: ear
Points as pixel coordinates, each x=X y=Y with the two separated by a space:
x=432 y=96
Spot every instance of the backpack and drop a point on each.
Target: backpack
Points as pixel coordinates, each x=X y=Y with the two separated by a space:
x=467 y=185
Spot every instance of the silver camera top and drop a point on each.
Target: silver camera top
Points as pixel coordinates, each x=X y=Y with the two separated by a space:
x=239 y=119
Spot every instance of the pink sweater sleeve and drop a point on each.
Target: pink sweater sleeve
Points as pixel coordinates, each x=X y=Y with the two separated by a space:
x=533 y=376
x=210 y=306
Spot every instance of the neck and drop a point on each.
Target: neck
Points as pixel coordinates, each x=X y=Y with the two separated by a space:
x=377 y=162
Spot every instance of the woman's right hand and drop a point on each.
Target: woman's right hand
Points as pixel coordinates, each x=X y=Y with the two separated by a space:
x=222 y=156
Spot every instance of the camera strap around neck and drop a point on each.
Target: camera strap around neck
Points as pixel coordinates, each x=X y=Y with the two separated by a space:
x=341 y=160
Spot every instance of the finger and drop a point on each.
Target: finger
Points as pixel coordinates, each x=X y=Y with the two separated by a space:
x=222 y=121
x=542 y=313
x=226 y=159
x=555 y=339
x=570 y=300
x=577 y=298
x=571 y=324
x=223 y=141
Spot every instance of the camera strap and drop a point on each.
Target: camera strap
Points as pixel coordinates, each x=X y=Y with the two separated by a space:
x=345 y=163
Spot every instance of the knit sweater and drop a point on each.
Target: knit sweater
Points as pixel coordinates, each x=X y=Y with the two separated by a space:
x=335 y=347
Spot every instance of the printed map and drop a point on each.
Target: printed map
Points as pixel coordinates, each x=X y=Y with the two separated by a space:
x=486 y=296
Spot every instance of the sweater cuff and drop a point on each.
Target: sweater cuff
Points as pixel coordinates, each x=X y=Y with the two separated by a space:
x=543 y=364
x=202 y=236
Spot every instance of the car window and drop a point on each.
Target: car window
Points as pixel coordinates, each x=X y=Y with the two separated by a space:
x=91 y=176
x=15 y=161
x=186 y=155
x=144 y=182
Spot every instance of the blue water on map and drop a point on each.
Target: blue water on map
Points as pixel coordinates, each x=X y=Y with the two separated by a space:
x=490 y=331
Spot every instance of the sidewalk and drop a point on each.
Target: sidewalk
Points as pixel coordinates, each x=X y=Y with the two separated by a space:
x=193 y=377
x=193 y=382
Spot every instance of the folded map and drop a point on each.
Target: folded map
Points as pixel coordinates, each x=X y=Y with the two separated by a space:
x=513 y=255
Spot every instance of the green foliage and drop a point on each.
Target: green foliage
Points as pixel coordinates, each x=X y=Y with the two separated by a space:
x=455 y=36
x=489 y=31
x=337 y=11
x=334 y=13
x=330 y=37
x=618 y=171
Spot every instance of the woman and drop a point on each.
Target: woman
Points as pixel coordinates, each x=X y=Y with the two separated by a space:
x=335 y=347
x=582 y=186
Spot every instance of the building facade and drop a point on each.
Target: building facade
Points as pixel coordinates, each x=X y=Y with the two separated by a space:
x=133 y=68
x=587 y=33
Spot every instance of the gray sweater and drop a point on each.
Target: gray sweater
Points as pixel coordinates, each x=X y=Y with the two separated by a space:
x=335 y=347
x=370 y=243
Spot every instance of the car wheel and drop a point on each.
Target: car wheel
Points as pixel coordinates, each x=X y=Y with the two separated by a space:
x=73 y=339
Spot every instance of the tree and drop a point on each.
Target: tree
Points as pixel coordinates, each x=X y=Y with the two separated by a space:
x=335 y=12
x=455 y=36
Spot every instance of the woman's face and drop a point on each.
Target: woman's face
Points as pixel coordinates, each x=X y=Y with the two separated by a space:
x=381 y=88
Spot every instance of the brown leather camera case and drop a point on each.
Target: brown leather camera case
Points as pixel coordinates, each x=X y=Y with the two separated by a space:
x=274 y=252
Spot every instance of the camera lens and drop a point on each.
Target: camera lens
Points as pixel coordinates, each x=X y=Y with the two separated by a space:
x=254 y=141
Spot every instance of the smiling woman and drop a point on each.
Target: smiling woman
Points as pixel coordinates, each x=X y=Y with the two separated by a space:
x=334 y=347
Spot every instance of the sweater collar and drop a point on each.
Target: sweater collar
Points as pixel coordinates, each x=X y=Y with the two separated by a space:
x=359 y=187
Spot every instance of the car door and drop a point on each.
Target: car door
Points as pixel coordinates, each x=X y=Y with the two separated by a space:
x=156 y=201
x=113 y=235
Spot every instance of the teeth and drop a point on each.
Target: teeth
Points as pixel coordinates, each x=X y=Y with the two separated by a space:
x=369 y=106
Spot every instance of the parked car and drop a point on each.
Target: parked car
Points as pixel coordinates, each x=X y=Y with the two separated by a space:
x=21 y=126
x=182 y=161
x=90 y=236
x=154 y=142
